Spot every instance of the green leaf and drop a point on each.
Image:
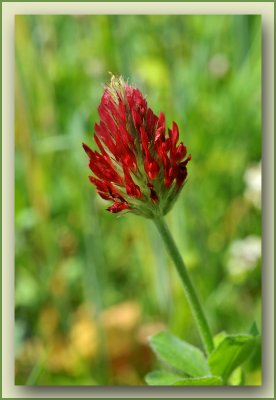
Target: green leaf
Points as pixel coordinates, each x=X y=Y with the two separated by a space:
x=219 y=338
x=237 y=377
x=180 y=355
x=203 y=381
x=164 y=378
x=231 y=353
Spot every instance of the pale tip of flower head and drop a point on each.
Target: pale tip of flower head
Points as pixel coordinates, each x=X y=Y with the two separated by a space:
x=116 y=87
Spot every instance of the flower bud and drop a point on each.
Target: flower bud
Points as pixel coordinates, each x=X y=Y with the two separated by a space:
x=138 y=167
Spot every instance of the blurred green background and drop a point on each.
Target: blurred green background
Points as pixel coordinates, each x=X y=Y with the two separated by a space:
x=91 y=286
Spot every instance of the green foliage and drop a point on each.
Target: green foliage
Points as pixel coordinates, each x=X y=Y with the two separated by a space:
x=230 y=354
x=190 y=366
x=180 y=355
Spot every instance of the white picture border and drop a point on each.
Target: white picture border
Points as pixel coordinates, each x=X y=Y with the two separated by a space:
x=9 y=10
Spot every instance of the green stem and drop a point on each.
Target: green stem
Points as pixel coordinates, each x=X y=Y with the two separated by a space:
x=190 y=291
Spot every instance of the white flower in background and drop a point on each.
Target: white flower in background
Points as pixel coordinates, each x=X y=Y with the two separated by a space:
x=253 y=180
x=218 y=65
x=244 y=255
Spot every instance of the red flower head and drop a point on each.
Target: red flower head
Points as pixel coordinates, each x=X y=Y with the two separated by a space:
x=138 y=167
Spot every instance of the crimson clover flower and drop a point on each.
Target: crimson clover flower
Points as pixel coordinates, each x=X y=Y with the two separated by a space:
x=138 y=167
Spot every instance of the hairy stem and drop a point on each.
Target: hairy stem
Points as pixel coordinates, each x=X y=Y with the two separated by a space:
x=190 y=291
